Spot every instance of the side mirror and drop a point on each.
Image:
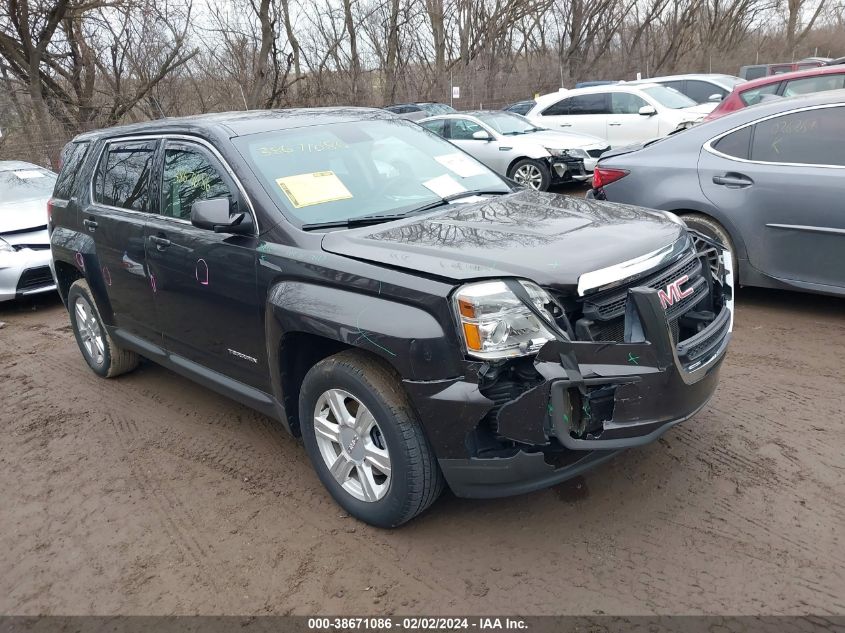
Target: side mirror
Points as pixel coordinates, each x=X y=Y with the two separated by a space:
x=715 y=98
x=215 y=215
x=647 y=110
x=481 y=135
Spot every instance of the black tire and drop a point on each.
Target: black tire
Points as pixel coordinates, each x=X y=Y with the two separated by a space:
x=527 y=163
x=114 y=360
x=712 y=229
x=415 y=479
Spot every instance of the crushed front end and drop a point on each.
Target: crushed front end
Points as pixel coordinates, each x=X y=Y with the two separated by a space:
x=634 y=354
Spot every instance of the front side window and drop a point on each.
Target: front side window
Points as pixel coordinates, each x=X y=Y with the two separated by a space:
x=625 y=103
x=811 y=137
x=755 y=95
x=188 y=176
x=463 y=129
x=123 y=176
x=437 y=126
x=820 y=83
x=340 y=171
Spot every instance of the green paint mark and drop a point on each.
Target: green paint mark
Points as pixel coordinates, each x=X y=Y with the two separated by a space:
x=633 y=359
x=550 y=409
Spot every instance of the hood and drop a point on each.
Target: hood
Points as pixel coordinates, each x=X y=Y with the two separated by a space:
x=26 y=214
x=562 y=140
x=547 y=238
x=698 y=111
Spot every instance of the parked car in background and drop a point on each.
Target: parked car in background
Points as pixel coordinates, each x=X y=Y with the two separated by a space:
x=765 y=181
x=600 y=82
x=520 y=107
x=621 y=113
x=835 y=62
x=25 y=190
x=512 y=146
x=416 y=111
x=755 y=71
x=701 y=88
x=786 y=85
x=417 y=327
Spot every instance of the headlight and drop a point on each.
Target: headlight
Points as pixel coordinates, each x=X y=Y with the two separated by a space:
x=496 y=324
x=5 y=247
x=572 y=153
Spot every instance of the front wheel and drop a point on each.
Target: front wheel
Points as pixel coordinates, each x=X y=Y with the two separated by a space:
x=712 y=229
x=365 y=441
x=532 y=173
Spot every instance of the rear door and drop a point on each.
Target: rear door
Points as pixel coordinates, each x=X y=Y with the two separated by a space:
x=206 y=296
x=115 y=218
x=779 y=181
x=626 y=125
x=585 y=113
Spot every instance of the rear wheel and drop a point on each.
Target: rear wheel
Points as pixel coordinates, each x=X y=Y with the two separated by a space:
x=712 y=229
x=105 y=357
x=531 y=173
x=365 y=441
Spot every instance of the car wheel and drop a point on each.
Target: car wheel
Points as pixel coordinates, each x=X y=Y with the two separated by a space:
x=531 y=173
x=716 y=231
x=365 y=441
x=105 y=357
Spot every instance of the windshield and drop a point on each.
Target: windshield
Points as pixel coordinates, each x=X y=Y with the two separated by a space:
x=507 y=123
x=669 y=97
x=17 y=185
x=342 y=171
x=435 y=109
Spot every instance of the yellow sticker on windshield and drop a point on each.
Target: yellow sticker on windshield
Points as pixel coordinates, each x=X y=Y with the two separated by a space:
x=318 y=187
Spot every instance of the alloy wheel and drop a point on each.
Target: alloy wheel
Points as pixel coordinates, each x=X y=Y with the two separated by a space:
x=529 y=175
x=352 y=445
x=89 y=331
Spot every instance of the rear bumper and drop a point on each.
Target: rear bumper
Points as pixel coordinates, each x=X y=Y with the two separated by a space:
x=593 y=399
x=25 y=272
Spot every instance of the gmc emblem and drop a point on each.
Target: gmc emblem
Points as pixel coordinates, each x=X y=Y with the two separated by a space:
x=673 y=293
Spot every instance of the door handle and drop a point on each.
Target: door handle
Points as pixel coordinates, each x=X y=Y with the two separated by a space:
x=733 y=181
x=90 y=224
x=614 y=124
x=565 y=124
x=160 y=242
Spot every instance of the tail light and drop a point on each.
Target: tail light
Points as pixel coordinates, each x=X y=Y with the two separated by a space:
x=50 y=215
x=605 y=175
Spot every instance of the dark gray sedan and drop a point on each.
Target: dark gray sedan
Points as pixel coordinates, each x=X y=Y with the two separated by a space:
x=768 y=181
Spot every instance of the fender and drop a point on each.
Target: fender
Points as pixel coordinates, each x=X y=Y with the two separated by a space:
x=77 y=251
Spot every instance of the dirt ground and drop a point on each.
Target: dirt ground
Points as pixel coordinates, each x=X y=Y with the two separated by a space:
x=151 y=495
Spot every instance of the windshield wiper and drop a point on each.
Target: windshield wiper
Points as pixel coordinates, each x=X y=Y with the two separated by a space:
x=457 y=196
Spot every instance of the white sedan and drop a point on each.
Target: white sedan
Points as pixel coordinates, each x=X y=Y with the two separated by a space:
x=24 y=242
x=622 y=114
x=512 y=146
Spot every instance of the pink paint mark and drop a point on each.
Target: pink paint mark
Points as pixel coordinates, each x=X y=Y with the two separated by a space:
x=153 y=282
x=201 y=272
x=79 y=261
x=107 y=275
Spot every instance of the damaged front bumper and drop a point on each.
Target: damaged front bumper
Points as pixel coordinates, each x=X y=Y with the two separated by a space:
x=588 y=401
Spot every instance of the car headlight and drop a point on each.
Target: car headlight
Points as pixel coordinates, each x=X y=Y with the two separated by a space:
x=571 y=153
x=496 y=324
x=5 y=247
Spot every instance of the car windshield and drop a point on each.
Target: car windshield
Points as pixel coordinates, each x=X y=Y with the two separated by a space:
x=669 y=97
x=342 y=171
x=507 y=123
x=22 y=184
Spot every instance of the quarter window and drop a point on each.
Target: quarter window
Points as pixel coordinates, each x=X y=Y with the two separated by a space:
x=189 y=176
x=812 y=137
x=735 y=144
x=72 y=157
x=123 y=176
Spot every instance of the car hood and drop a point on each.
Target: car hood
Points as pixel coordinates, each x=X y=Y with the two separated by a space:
x=26 y=214
x=698 y=111
x=544 y=237
x=561 y=140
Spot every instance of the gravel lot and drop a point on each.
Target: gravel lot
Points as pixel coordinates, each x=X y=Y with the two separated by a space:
x=149 y=494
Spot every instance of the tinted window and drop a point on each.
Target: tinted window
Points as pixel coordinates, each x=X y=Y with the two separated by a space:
x=736 y=143
x=438 y=126
x=462 y=130
x=700 y=91
x=754 y=72
x=558 y=109
x=123 y=175
x=624 y=103
x=73 y=156
x=754 y=96
x=819 y=83
x=589 y=104
x=521 y=108
x=189 y=176
x=813 y=137
x=677 y=85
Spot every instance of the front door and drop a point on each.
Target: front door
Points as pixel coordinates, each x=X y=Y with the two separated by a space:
x=626 y=125
x=585 y=114
x=460 y=131
x=115 y=220
x=780 y=182
x=206 y=295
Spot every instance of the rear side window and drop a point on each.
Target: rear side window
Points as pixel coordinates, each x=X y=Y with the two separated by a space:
x=701 y=91
x=735 y=144
x=753 y=96
x=123 y=175
x=590 y=104
x=73 y=155
x=811 y=137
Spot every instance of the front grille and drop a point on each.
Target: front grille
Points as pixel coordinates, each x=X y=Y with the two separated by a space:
x=596 y=153
x=35 y=278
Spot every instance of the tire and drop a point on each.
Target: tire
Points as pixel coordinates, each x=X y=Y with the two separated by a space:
x=530 y=172
x=709 y=227
x=105 y=357
x=413 y=482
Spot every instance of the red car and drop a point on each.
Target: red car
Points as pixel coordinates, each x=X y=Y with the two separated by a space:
x=785 y=85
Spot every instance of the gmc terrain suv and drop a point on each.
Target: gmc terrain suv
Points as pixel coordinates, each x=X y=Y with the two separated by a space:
x=417 y=319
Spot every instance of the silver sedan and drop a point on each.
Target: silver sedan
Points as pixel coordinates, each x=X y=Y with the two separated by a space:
x=24 y=242
x=511 y=145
